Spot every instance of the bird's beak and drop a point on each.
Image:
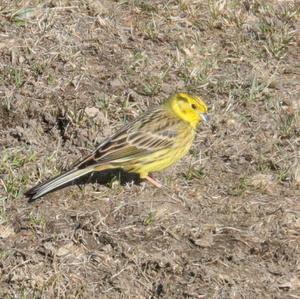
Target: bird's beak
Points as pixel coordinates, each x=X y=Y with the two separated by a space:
x=204 y=117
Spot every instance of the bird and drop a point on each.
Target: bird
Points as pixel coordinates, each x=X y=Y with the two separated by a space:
x=150 y=143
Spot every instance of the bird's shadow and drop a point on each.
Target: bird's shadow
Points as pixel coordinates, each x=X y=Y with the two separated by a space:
x=105 y=177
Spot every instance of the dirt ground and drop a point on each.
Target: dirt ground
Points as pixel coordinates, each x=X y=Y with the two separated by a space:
x=227 y=223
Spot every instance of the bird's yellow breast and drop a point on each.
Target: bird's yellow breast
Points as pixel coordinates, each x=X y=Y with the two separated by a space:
x=164 y=158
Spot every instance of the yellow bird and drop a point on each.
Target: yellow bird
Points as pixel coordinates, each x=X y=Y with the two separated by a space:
x=152 y=142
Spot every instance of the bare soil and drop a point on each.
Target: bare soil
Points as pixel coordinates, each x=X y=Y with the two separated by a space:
x=227 y=223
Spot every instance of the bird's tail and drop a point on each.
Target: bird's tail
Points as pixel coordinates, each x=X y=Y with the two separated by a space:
x=57 y=182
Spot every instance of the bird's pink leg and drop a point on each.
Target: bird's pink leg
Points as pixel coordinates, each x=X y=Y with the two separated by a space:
x=153 y=181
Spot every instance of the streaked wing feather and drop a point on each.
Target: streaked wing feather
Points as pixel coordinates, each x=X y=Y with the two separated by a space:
x=146 y=135
x=169 y=133
x=142 y=144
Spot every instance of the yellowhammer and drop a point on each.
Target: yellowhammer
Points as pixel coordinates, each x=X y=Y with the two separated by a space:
x=152 y=142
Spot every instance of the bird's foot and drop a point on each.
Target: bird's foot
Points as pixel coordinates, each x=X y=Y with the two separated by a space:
x=153 y=181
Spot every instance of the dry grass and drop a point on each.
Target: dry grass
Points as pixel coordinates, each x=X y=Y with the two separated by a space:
x=228 y=224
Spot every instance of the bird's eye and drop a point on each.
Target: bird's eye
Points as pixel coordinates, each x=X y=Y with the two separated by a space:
x=194 y=106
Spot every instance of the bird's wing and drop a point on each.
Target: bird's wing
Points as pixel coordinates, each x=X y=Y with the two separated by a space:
x=148 y=134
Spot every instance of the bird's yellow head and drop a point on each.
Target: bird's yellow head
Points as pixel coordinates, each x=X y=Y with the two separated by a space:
x=191 y=109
